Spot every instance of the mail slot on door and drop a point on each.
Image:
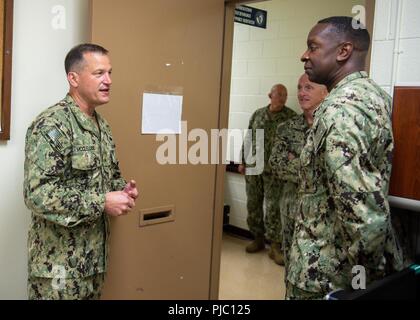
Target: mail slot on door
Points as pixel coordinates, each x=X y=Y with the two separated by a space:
x=157 y=215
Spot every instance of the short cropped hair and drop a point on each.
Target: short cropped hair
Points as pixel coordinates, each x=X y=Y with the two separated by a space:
x=344 y=25
x=75 y=56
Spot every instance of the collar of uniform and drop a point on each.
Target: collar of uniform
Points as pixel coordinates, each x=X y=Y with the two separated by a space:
x=84 y=121
x=303 y=119
x=351 y=77
x=317 y=109
x=273 y=115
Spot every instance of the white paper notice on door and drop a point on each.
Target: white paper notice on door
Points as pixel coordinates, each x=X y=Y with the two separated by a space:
x=162 y=113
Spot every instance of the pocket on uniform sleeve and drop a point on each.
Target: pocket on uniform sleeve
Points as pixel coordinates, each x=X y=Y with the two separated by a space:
x=320 y=134
x=307 y=167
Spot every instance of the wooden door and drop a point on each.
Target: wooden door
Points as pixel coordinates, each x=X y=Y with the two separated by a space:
x=405 y=180
x=163 y=46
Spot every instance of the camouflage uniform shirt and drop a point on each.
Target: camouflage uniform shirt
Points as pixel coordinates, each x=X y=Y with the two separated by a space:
x=264 y=119
x=262 y=186
x=289 y=142
x=344 y=216
x=70 y=165
x=285 y=165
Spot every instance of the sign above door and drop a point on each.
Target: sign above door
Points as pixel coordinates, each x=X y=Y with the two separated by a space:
x=251 y=16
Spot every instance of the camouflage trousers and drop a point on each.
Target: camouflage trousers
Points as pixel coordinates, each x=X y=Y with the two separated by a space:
x=288 y=210
x=259 y=189
x=294 y=293
x=88 y=288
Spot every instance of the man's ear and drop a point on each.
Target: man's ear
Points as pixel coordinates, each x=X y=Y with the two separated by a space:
x=73 y=79
x=345 y=51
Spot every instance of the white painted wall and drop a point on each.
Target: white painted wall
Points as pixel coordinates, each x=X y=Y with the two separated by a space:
x=396 y=44
x=38 y=82
x=262 y=58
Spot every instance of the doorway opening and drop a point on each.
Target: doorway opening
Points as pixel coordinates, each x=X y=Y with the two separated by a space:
x=255 y=59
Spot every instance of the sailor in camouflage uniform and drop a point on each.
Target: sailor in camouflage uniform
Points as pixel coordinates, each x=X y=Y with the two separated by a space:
x=72 y=184
x=344 y=216
x=263 y=187
x=284 y=160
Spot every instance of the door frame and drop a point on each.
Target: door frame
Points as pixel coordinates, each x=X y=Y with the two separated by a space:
x=223 y=123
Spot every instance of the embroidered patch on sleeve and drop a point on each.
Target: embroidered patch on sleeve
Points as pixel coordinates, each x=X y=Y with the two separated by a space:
x=55 y=137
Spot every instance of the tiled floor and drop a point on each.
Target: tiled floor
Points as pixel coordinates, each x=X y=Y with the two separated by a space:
x=245 y=276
